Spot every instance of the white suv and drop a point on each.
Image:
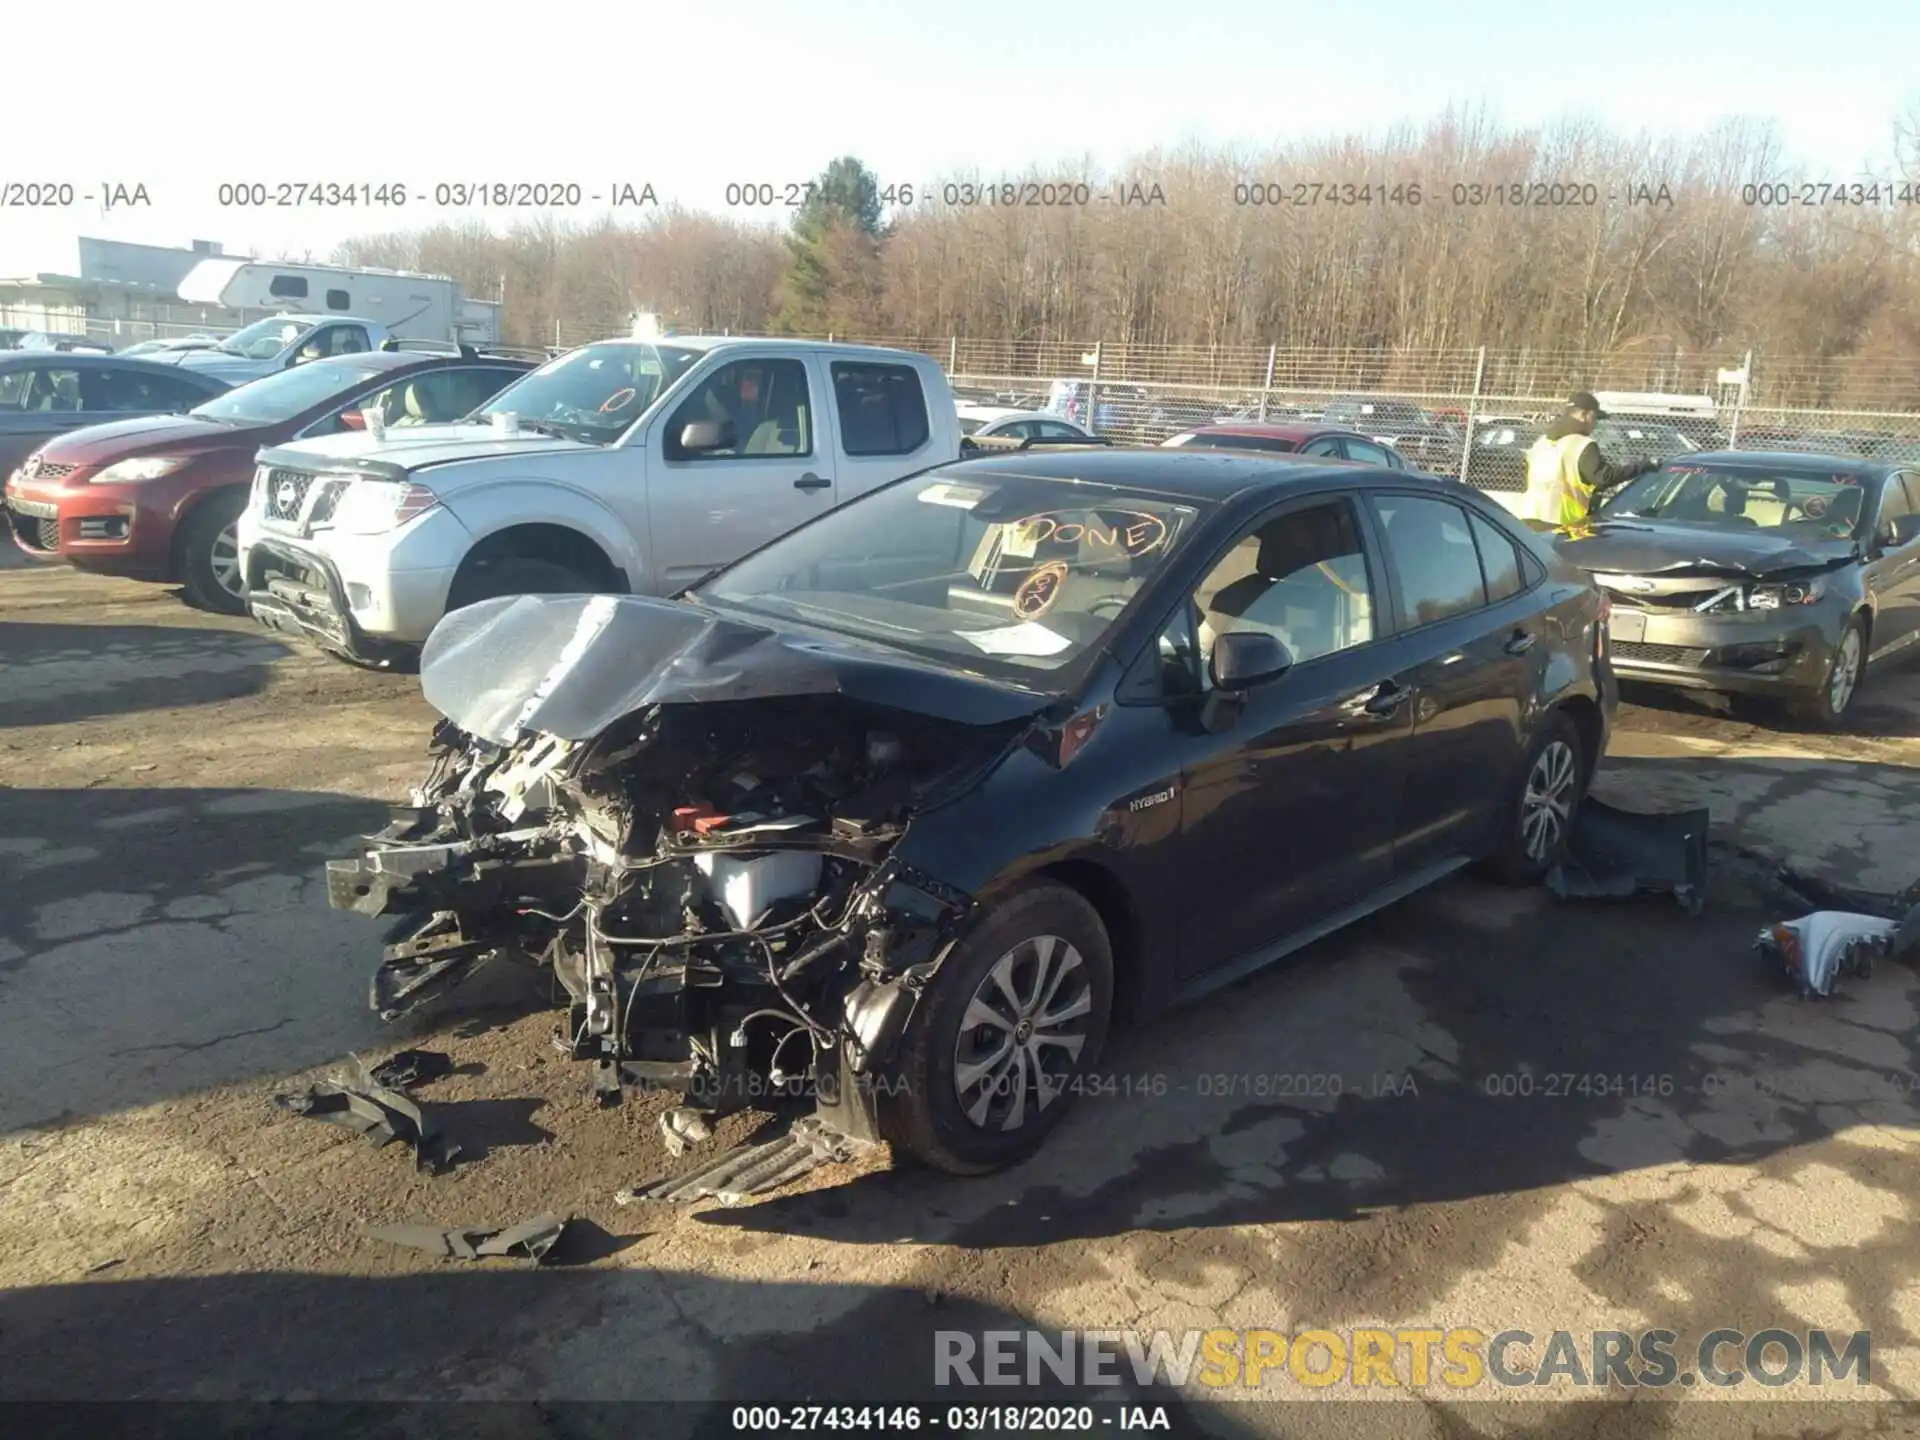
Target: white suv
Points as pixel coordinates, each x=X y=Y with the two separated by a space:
x=625 y=466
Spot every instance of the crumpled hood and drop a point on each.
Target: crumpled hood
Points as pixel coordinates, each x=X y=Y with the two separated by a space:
x=413 y=447
x=571 y=665
x=1653 y=547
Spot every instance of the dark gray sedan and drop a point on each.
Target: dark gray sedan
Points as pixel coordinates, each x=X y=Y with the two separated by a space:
x=44 y=393
x=1778 y=575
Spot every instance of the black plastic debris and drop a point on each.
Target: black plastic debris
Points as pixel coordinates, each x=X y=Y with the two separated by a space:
x=412 y=1067
x=1906 y=936
x=753 y=1169
x=529 y=1240
x=1615 y=854
x=1817 y=950
x=379 y=1113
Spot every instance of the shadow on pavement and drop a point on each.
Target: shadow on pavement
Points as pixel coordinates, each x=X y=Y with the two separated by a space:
x=156 y=941
x=1884 y=709
x=569 y=1354
x=56 y=674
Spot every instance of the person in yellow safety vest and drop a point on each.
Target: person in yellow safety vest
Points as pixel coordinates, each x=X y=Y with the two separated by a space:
x=1566 y=471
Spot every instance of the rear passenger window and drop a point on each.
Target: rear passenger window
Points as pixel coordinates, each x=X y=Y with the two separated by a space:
x=1499 y=560
x=1432 y=554
x=882 y=409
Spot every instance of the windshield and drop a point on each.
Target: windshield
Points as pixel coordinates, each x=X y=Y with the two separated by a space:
x=595 y=392
x=971 y=427
x=1811 y=503
x=264 y=339
x=285 y=393
x=1003 y=574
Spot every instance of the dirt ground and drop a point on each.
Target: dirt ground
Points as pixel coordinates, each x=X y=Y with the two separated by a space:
x=1482 y=1108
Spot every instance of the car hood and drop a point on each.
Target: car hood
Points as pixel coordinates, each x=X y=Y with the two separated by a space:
x=142 y=435
x=1654 y=547
x=415 y=447
x=216 y=364
x=571 y=665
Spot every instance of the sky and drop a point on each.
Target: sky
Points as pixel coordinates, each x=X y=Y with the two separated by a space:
x=184 y=97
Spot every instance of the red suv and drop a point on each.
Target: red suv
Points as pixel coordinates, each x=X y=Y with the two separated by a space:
x=158 y=498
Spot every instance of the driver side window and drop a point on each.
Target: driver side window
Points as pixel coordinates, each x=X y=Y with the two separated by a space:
x=1300 y=576
x=763 y=406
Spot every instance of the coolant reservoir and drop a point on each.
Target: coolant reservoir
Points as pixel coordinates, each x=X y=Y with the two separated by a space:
x=747 y=886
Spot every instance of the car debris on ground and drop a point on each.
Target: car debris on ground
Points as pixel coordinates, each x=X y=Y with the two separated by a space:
x=529 y=1240
x=380 y=1113
x=755 y=1168
x=1616 y=854
x=1818 y=949
x=412 y=1067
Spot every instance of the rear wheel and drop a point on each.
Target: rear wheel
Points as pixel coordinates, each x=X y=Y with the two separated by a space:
x=1538 y=815
x=1828 y=706
x=210 y=554
x=1013 y=1022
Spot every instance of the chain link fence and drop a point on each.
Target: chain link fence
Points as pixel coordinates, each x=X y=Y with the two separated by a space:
x=1468 y=413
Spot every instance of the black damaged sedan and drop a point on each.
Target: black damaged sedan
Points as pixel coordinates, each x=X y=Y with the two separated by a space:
x=1775 y=576
x=904 y=810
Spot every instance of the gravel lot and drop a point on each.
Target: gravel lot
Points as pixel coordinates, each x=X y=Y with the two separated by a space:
x=171 y=782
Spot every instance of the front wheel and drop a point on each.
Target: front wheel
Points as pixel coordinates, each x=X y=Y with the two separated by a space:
x=1005 y=1035
x=210 y=554
x=1828 y=706
x=1538 y=815
x=495 y=576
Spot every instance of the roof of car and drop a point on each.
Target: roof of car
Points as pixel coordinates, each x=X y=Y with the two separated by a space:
x=1271 y=430
x=714 y=342
x=87 y=360
x=1210 y=475
x=1788 y=459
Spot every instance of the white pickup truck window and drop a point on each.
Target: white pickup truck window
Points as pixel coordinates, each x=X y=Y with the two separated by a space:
x=765 y=402
x=882 y=409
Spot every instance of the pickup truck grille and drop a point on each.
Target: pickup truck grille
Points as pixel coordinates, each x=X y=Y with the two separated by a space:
x=286 y=492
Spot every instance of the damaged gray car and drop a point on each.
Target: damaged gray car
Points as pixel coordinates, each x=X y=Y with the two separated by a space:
x=898 y=812
x=1758 y=575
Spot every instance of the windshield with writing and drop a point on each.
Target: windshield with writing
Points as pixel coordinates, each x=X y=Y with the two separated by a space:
x=997 y=574
x=1803 y=502
x=594 y=393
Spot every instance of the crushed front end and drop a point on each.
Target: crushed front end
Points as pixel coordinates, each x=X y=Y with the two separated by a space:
x=713 y=884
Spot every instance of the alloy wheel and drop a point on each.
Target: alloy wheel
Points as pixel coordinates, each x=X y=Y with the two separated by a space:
x=1846 y=672
x=225 y=560
x=1546 y=808
x=1022 y=1033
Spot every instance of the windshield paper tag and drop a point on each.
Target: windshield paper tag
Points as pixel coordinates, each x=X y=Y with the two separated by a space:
x=959 y=497
x=1028 y=639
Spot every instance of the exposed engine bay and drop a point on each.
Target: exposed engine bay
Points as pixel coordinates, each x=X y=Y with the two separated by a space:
x=711 y=884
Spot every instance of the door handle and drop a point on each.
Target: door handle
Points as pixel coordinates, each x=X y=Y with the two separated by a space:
x=1387 y=698
x=811 y=481
x=1520 y=643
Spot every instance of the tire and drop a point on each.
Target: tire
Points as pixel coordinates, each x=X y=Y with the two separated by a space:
x=1556 y=764
x=514 y=575
x=209 y=554
x=921 y=1109
x=1827 y=707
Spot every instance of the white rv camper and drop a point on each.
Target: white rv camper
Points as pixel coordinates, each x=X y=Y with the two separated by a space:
x=410 y=306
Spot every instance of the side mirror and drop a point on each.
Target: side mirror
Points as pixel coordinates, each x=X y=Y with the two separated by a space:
x=1243 y=659
x=703 y=436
